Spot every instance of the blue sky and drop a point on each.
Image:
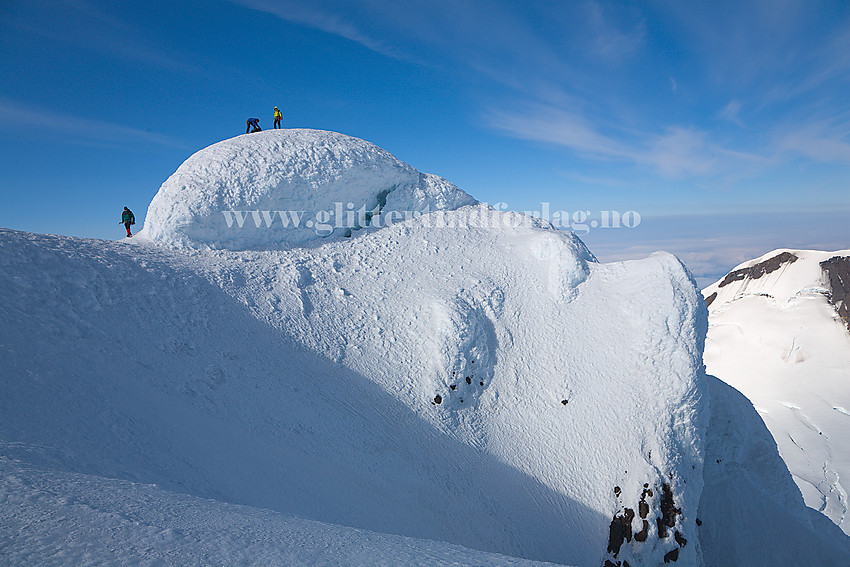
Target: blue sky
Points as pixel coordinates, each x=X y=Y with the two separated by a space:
x=722 y=110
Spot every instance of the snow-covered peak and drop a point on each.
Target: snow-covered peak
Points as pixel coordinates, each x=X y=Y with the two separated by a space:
x=778 y=333
x=279 y=188
x=784 y=275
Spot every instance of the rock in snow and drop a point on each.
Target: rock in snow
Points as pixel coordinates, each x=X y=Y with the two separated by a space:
x=779 y=333
x=464 y=377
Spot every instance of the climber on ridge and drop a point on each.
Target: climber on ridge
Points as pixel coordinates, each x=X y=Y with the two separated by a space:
x=127 y=219
x=253 y=125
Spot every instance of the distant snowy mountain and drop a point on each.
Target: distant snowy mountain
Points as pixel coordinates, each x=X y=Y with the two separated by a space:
x=779 y=332
x=436 y=371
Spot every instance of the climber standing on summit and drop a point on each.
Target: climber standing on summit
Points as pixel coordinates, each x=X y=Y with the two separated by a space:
x=253 y=125
x=127 y=219
x=277 y=117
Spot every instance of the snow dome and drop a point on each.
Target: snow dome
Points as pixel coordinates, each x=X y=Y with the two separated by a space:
x=279 y=188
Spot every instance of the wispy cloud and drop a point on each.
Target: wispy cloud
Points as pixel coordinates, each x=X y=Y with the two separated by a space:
x=18 y=117
x=562 y=73
x=731 y=112
x=825 y=140
x=325 y=18
x=675 y=152
x=606 y=37
x=81 y=23
x=554 y=125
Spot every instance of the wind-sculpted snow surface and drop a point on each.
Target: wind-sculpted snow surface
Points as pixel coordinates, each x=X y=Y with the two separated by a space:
x=469 y=377
x=275 y=189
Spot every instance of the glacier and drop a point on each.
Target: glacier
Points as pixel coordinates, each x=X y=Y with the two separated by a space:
x=777 y=334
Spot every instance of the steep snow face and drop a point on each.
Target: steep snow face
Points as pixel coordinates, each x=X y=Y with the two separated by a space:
x=279 y=188
x=751 y=513
x=472 y=385
x=777 y=334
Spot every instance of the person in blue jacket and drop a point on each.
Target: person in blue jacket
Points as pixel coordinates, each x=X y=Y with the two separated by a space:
x=253 y=125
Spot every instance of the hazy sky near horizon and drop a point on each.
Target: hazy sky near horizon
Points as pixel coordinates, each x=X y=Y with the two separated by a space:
x=661 y=107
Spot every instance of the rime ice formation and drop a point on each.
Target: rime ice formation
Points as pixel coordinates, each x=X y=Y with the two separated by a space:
x=467 y=377
x=279 y=188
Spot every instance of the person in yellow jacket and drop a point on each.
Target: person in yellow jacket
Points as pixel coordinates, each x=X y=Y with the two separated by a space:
x=277 y=117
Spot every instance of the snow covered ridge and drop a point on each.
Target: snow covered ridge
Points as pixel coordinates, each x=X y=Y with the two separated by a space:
x=779 y=332
x=487 y=385
x=292 y=187
x=820 y=272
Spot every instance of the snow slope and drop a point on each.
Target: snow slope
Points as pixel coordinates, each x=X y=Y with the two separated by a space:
x=468 y=377
x=776 y=334
x=51 y=517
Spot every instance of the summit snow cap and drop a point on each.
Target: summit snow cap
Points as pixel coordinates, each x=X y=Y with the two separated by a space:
x=276 y=189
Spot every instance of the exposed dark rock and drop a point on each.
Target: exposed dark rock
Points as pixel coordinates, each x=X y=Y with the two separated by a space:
x=837 y=270
x=438 y=399
x=680 y=539
x=643 y=506
x=617 y=490
x=565 y=402
x=481 y=383
x=671 y=556
x=699 y=522
x=620 y=530
x=468 y=380
x=710 y=298
x=668 y=511
x=760 y=269
x=453 y=387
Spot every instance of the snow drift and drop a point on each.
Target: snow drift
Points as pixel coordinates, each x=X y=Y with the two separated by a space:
x=779 y=333
x=466 y=376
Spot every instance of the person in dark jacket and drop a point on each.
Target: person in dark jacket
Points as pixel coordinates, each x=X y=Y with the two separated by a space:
x=127 y=218
x=253 y=125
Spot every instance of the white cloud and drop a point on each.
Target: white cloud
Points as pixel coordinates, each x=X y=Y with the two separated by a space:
x=562 y=62
x=676 y=152
x=731 y=112
x=83 y=24
x=608 y=39
x=824 y=141
x=58 y=127
x=328 y=20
